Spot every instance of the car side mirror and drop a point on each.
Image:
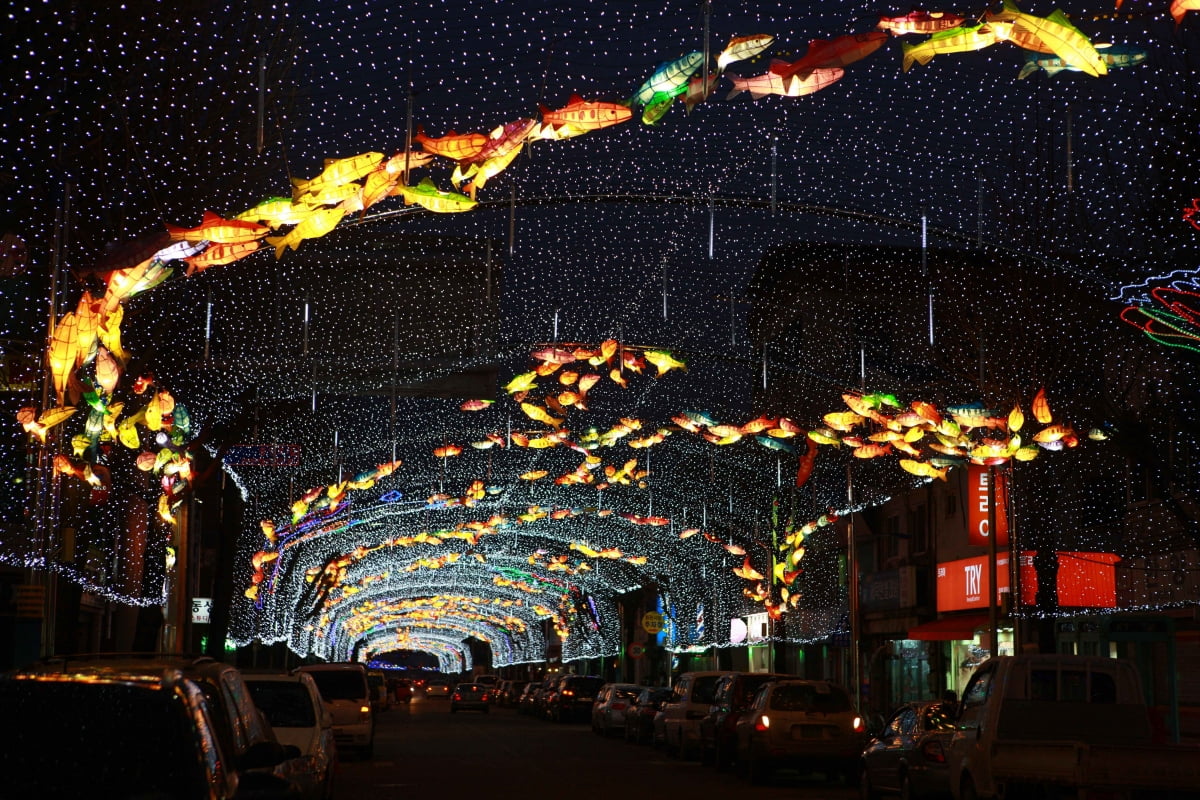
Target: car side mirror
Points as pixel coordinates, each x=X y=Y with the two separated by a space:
x=326 y=718
x=264 y=786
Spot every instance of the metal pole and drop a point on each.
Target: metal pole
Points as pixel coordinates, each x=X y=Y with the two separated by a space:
x=993 y=608
x=852 y=559
x=262 y=100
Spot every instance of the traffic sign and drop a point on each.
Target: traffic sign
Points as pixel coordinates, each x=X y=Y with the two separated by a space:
x=652 y=622
x=637 y=650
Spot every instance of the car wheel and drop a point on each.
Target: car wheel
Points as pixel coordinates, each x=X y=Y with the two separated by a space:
x=368 y=752
x=707 y=756
x=967 y=789
x=453 y=710
x=905 y=787
x=866 y=790
x=486 y=709
x=720 y=758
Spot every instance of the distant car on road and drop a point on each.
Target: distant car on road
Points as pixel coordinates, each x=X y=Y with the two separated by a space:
x=437 y=688
x=611 y=705
x=639 y=717
x=469 y=697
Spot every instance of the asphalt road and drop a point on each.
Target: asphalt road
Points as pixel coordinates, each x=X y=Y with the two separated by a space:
x=425 y=751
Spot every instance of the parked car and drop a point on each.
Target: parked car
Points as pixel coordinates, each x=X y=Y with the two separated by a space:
x=908 y=755
x=509 y=693
x=610 y=706
x=381 y=699
x=245 y=734
x=541 y=695
x=639 y=717
x=121 y=732
x=292 y=704
x=573 y=697
x=469 y=697
x=811 y=726
x=344 y=690
x=526 y=702
x=1063 y=726
x=691 y=697
x=733 y=694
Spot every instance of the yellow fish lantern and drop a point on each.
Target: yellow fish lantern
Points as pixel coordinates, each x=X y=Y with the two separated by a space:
x=108 y=371
x=338 y=172
x=87 y=314
x=64 y=348
x=313 y=226
x=1062 y=38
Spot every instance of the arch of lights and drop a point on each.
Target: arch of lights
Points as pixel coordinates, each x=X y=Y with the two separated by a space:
x=446 y=648
x=357 y=538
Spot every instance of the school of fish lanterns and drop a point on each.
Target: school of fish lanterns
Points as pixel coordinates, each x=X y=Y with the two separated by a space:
x=557 y=497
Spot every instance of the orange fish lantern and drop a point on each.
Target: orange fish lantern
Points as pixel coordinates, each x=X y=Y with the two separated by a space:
x=219 y=254
x=455 y=146
x=213 y=228
x=1041 y=408
x=579 y=116
x=447 y=451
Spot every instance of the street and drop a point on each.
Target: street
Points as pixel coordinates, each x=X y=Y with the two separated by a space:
x=424 y=750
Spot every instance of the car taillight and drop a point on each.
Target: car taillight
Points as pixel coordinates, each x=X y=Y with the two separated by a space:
x=484 y=696
x=932 y=750
x=859 y=727
x=365 y=710
x=762 y=723
x=568 y=693
x=457 y=696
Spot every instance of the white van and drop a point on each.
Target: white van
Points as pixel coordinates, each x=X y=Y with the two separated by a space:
x=344 y=690
x=691 y=697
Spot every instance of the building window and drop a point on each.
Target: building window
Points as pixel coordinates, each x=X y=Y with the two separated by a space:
x=918 y=531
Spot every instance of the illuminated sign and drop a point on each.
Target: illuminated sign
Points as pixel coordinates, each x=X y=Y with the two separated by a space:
x=1085 y=580
x=977 y=506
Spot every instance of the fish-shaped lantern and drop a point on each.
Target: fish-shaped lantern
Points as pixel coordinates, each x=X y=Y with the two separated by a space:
x=277 y=212
x=455 y=146
x=962 y=39
x=1181 y=7
x=427 y=195
x=337 y=172
x=671 y=78
x=840 y=52
x=920 y=22
x=478 y=173
x=579 y=116
x=1113 y=56
x=314 y=226
x=741 y=48
x=217 y=254
x=214 y=228
x=1061 y=37
x=792 y=86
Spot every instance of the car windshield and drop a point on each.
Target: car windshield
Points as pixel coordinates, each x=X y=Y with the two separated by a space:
x=122 y=741
x=810 y=697
x=340 y=684
x=750 y=686
x=287 y=704
x=624 y=693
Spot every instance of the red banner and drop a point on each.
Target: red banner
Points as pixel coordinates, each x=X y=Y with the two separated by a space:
x=1085 y=580
x=977 y=506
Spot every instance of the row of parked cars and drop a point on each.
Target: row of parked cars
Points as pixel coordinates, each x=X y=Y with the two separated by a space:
x=752 y=722
x=154 y=725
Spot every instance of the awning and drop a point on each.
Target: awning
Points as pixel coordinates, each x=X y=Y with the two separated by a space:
x=948 y=629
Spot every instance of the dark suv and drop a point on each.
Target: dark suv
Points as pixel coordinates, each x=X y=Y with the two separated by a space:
x=118 y=733
x=572 y=698
x=732 y=696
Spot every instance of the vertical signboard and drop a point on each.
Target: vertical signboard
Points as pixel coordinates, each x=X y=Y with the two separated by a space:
x=978 y=498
